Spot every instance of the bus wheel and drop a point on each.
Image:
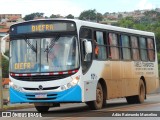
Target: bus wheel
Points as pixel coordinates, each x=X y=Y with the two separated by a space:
x=98 y=103
x=141 y=96
x=42 y=108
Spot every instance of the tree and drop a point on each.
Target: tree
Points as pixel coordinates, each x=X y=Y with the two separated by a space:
x=120 y=16
x=106 y=14
x=91 y=15
x=127 y=22
x=99 y=17
x=54 y=16
x=88 y=15
x=70 y=16
x=33 y=15
x=5 y=66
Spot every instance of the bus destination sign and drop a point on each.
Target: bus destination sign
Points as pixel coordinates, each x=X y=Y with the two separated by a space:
x=42 y=27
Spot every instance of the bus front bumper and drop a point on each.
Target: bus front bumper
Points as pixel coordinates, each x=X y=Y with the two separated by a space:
x=73 y=94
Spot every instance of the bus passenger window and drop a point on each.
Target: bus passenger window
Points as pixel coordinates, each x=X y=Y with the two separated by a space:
x=113 y=43
x=126 y=53
x=143 y=49
x=151 y=51
x=135 y=49
x=99 y=46
x=96 y=49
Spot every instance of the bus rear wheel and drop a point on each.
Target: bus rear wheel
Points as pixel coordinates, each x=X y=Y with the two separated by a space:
x=141 y=95
x=42 y=108
x=98 y=103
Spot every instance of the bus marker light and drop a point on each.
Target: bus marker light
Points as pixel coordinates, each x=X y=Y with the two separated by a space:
x=15 y=86
x=69 y=85
x=63 y=87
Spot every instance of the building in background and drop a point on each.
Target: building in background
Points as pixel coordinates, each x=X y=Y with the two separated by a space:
x=8 y=16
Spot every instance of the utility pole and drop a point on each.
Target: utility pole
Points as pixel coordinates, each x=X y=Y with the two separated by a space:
x=1 y=87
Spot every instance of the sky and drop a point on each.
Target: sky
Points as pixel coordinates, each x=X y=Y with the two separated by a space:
x=74 y=7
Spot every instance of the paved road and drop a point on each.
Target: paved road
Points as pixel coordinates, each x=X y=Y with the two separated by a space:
x=115 y=106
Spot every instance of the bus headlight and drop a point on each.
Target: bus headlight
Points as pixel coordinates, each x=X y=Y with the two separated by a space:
x=15 y=86
x=75 y=80
x=71 y=84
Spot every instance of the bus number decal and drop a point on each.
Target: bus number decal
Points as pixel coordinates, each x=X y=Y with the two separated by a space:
x=93 y=76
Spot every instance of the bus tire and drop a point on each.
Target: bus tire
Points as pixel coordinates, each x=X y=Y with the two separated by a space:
x=141 y=96
x=42 y=109
x=98 y=103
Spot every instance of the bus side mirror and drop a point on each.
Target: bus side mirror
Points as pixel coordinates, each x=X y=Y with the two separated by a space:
x=88 y=46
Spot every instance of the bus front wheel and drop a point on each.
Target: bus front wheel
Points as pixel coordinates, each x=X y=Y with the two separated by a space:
x=98 y=103
x=42 y=108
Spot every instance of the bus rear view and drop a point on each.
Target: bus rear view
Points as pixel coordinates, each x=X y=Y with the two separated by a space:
x=44 y=63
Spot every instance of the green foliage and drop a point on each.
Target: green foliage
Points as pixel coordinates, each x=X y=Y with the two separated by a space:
x=54 y=16
x=5 y=66
x=91 y=15
x=150 y=22
x=70 y=16
x=127 y=22
x=88 y=15
x=158 y=56
x=32 y=16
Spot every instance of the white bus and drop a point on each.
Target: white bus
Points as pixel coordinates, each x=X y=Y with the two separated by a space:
x=72 y=61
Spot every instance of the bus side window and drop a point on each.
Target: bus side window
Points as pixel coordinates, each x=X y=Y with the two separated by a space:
x=126 y=52
x=100 y=47
x=135 y=49
x=151 y=49
x=113 y=46
x=143 y=49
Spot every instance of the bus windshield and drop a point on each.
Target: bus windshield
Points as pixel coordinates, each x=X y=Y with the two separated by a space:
x=54 y=54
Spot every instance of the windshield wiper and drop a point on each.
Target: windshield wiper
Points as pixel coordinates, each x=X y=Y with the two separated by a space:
x=32 y=46
x=50 y=46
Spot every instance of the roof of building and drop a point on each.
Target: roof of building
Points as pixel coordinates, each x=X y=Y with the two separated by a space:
x=4 y=30
x=13 y=18
x=5 y=81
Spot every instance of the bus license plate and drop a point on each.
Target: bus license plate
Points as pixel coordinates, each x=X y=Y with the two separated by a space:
x=41 y=96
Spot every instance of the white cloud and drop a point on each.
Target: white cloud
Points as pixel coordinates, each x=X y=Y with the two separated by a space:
x=144 y=4
x=62 y=7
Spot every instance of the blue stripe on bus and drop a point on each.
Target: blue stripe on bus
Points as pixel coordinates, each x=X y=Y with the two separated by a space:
x=73 y=94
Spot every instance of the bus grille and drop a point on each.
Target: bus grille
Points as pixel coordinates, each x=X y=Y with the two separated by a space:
x=38 y=78
x=48 y=88
x=41 y=98
x=49 y=97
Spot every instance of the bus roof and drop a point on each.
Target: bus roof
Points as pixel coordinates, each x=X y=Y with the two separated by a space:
x=80 y=23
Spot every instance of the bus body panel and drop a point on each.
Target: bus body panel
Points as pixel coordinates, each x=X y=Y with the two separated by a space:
x=122 y=78
x=73 y=94
x=70 y=95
